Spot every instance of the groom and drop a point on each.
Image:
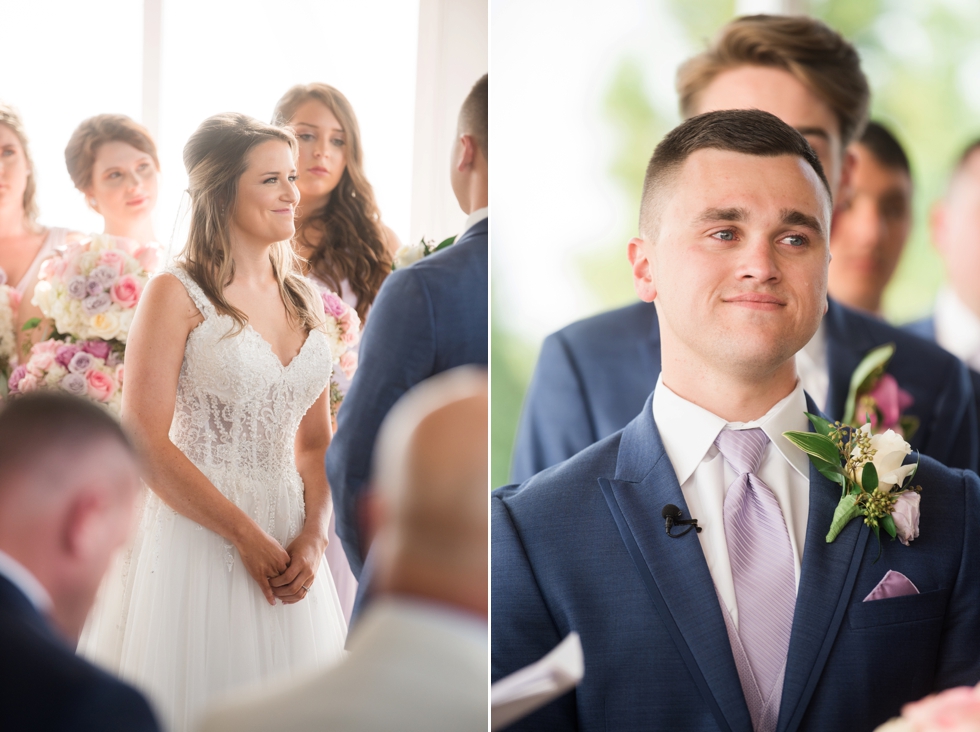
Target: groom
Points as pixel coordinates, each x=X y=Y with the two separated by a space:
x=756 y=623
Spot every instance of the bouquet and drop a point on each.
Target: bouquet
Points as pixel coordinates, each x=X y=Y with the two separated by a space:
x=410 y=253
x=90 y=289
x=9 y=304
x=956 y=709
x=92 y=369
x=343 y=329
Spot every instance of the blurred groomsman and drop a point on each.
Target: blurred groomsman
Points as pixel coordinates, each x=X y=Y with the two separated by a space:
x=594 y=376
x=418 y=656
x=68 y=491
x=873 y=223
x=427 y=318
x=955 y=324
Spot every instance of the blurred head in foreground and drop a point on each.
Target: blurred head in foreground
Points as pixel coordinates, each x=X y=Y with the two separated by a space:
x=68 y=492
x=431 y=501
x=873 y=223
x=955 y=232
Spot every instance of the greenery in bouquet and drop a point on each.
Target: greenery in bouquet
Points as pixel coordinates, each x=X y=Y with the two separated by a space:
x=411 y=253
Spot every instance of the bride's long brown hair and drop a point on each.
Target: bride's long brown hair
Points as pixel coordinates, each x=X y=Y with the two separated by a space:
x=216 y=156
x=346 y=235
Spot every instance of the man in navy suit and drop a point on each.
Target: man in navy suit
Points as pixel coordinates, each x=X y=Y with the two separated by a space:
x=68 y=490
x=748 y=625
x=427 y=318
x=594 y=376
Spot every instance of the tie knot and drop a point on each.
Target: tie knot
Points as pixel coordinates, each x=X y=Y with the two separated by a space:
x=742 y=448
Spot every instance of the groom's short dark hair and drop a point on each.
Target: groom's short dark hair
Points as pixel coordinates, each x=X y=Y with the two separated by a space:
x=747 y=131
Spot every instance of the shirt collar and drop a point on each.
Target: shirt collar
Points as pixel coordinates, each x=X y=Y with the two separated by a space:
x=957 y=327
x=26 y=582
x=474 y=218
x=689 y=431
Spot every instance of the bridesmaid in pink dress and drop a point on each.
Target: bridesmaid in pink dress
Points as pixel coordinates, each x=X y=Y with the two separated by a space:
x=113 y=161
x=24 y=243
x=339 y=231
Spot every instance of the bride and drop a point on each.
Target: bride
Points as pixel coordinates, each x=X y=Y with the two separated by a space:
x=226 y=377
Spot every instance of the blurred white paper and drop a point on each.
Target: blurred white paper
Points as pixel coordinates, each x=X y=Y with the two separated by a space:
x=530 y=688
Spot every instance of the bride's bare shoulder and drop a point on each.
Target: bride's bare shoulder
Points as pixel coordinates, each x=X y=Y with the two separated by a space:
x=165 y=297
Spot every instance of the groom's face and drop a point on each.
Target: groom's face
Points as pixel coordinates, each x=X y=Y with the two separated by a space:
x=737 y=264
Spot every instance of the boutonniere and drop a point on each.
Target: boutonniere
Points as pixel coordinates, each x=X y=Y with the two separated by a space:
x=875 y=398
x=411 y=253
x=868 y=468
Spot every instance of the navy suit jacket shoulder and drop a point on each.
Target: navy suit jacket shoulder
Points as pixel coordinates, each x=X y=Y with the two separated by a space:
x=593 y=377
x=45 y=687
x=427 y=318
x=581 y=547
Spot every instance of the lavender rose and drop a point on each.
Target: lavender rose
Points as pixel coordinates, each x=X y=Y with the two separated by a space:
x=93 y=287
x=104 y=275
x=80 y=363
x=906 y=516
x=65 y=353
x=15 y=378
x=99 y=349
x=76 y=288
x=75 y=384
x=97 y=303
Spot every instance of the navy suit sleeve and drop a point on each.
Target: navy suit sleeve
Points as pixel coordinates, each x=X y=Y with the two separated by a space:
x=953 y=438
x=397 y=352
x=111 y=707
x=959 y=655
x=556 y=422
x=522 y=630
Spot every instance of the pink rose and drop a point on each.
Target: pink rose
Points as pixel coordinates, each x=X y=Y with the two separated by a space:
x=48 y=346
x=28 y=383
x=100 y=385
x=148 y=257
x=113 y=258
x=40 y=362
x=333 y=305
x=126 y=291
x=120 y=370
x=14 y=297
x=99 y=349
x=52 y=269
x=15 y=378
x=64 y=354
x=891 y=400
x=906 y=516
x=348 y=363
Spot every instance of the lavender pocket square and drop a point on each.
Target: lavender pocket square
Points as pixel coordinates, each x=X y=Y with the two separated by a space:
x=893 y=584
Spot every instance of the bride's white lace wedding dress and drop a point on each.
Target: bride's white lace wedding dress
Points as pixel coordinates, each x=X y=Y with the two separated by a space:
x=178 y=615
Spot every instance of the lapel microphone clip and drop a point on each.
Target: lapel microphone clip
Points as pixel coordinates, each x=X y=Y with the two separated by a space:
x=672 y=517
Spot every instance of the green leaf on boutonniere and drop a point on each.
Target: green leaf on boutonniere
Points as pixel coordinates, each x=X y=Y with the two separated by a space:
x=876 y=360
x=888 y=524
x=443 y=244
x=869 y=477
x=847 y=509
x=819 y=446
x=822 y=426
x=32 y=323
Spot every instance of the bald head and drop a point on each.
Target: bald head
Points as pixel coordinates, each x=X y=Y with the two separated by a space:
x=431 y=477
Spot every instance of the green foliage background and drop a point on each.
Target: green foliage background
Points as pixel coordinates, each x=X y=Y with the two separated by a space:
x=917 y=92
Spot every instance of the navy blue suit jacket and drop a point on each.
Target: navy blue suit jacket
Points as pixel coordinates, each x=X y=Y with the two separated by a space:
x=428 y=318
x=45 y=687
x=593 y=377
x=581 y=547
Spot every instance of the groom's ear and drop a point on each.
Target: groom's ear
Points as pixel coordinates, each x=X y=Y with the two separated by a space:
x=644 y=281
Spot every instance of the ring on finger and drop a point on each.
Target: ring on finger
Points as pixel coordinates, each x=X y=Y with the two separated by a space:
x=305 y=588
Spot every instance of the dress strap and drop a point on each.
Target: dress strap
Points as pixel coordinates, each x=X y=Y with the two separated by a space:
x=193 y=289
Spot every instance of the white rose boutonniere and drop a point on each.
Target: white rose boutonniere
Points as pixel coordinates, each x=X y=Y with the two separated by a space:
x=411 y=253
x=871 y=471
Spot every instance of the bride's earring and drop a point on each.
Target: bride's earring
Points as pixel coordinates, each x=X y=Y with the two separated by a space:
x=92 y=202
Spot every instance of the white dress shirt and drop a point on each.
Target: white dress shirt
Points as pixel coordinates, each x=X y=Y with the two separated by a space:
x=474 y=218
x=813 y=369
x=26 y=582
x=688 y=433
x=958 y=328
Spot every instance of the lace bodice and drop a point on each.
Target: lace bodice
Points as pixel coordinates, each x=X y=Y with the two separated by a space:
x=238 y=408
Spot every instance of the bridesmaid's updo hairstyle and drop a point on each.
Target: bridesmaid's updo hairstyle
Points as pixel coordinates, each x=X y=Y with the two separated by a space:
x=346 y=234
x=95 y=132
x=216 y=156
x=11 y=120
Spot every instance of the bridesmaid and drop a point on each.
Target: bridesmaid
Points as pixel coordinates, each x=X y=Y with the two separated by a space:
x=113 y=161
x=24 y=243
x=338 y=229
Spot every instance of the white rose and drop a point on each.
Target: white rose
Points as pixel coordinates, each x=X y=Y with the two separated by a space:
x=890 y=450
x=105 y=325
x=409 y=254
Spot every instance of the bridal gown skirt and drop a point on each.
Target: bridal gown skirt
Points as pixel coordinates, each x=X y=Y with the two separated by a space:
x=180 y=618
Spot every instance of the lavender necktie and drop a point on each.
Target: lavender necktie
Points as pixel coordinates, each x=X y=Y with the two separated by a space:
x=762 y=569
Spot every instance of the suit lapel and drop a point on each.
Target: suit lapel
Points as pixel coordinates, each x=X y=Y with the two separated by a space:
x=827 y=577
x=846 y=346
x=674 y=571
